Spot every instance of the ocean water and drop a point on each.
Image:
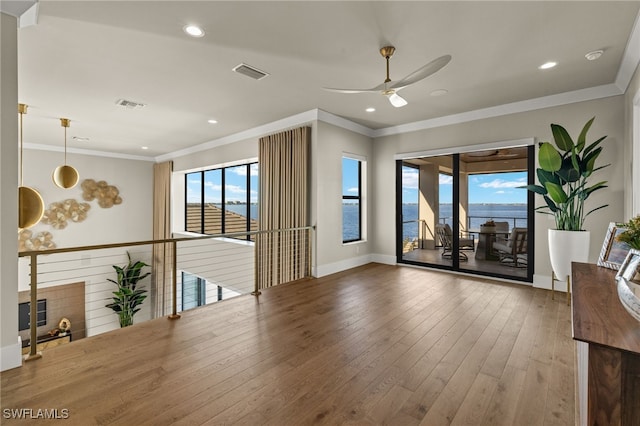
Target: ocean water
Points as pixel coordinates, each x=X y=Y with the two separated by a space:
x=515 y=214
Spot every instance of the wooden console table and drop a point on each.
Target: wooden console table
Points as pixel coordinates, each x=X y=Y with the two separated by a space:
x=608 y=349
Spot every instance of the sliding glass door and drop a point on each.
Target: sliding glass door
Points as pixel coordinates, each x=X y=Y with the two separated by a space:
x=466 y=212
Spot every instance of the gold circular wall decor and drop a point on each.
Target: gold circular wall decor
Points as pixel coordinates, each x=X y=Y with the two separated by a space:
x=107 y=195
x=41 y=241
x=30 y=207
x=65 y=176
x=61 y=212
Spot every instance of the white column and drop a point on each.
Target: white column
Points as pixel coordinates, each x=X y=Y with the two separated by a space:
x=10 y=353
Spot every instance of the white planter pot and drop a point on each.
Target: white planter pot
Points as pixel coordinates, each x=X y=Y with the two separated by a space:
x=566 y=247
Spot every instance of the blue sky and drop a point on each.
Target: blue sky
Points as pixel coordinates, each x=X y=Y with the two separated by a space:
x=235 y=185
x=498 y=188
x=349 y=176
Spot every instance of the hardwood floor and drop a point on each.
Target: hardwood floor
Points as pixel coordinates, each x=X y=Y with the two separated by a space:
x=374 y=345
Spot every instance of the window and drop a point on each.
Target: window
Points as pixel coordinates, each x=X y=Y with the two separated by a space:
x=222 y=200
x=193 y=291
x=351 y=199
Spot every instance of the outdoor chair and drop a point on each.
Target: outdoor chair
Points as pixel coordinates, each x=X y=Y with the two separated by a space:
x=445 y=235
x=513 y=250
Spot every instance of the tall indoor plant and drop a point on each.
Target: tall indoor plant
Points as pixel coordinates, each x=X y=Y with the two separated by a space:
x=563 y=174
x=128 y=297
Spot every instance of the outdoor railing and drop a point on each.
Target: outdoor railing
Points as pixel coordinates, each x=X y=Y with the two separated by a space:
x=213 y=267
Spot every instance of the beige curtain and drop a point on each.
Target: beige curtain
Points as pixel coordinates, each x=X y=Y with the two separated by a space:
x=283 y=163
x=161 y=268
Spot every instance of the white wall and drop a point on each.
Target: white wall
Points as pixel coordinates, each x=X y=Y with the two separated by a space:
x=10 y=352
x=129 y=221
x=330 y=144
x=609 y=121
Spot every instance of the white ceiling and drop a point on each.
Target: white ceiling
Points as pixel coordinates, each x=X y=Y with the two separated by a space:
x=81 y=57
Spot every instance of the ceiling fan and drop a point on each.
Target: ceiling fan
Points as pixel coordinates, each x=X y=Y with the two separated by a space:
x=391 y=88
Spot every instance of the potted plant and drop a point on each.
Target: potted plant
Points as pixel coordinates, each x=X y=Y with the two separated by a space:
x=128 y=297
x=632 y=235
x=563 y=174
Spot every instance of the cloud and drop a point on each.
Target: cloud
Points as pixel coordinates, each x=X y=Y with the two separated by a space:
x=212 y=186
x=242 y=171
x=410 y=177
x=235 y=189
x=501 y=192
x=500 y=183
x=445 y=179
x=354 y=190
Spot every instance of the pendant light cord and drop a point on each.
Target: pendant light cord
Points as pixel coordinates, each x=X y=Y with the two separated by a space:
x=65 y=146
x=21 y=173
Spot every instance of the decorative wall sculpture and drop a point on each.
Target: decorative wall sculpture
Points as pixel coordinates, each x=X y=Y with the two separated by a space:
x=59 y=213
x=107 y=195
x=41 y=240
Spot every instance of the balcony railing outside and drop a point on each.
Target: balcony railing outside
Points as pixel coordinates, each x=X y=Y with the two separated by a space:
x=221 y=266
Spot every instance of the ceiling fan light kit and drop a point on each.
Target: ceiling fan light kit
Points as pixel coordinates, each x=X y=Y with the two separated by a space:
x=390 y=88
x=65 y=176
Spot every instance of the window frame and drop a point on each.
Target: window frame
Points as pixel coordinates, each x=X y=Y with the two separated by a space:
x=358 y=197
x=222 y=196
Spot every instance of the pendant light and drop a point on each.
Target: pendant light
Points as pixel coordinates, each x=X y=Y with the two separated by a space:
x=65 y=176
x=30 y=202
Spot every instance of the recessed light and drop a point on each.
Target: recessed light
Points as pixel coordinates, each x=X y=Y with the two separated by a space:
x=212 y=121
x=144 y=147
x=439 y=92
x=370 y=109
x=80 y=139
x=193 y=30
x=592 y=56
x=547 y=65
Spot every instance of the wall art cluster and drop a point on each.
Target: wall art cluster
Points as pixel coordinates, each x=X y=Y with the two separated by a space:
x=107 y=195
x=60 y=213
x=27 y=240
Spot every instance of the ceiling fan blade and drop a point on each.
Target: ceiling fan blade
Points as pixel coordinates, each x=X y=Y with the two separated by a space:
x=397 y=100
x=423 y=72
x=378 y=88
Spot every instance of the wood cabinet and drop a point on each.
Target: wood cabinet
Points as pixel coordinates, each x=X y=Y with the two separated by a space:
x=608 y=349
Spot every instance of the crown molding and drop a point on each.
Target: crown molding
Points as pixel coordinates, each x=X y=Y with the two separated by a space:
x=581 y=95
x=51 y=148
x=630 y=58
x=288 y=122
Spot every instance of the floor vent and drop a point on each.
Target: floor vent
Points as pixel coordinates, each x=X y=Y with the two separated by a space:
x=250 y=71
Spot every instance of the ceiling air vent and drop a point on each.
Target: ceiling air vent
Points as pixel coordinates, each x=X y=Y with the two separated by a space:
x=129 y=104
x=250 y=71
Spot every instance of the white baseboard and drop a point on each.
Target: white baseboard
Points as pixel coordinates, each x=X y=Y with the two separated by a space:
x=544 y=281
x=10 y=357
x=384 y=259
x=343 y=265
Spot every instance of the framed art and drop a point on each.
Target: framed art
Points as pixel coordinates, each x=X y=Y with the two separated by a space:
x=613 y=252
x=630 y=268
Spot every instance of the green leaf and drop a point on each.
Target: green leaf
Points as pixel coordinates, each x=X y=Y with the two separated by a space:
x=552 y=206
x=592 y=146
x=535 y=188
x=562 y=138
x=567 y=172
x=583 y=135
x=556 y=193
x=549 y=158
x=544 y=176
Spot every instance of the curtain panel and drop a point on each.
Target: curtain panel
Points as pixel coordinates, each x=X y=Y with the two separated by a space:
x=283 y=203
x=162 y=254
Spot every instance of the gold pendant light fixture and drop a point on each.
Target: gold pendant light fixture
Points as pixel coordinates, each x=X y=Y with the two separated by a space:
x=65 y=176
x=30 y=202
